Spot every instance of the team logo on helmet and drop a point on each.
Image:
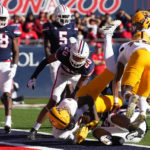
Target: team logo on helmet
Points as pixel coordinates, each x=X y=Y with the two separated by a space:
x=79 y=53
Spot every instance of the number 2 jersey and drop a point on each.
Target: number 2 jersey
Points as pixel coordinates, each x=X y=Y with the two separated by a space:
x=63 y=55
x=6 y=36
x=58 y=35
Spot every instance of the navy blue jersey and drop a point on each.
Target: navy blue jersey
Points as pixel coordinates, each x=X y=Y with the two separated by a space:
x=6 y=36
x=63 y=55
x=59 y=35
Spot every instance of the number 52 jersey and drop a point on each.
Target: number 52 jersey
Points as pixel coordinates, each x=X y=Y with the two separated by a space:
x=6 y=36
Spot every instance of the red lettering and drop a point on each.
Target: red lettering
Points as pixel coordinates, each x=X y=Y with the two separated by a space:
x=31 y=3
x=14 y=10
x=90 y=9
x=115 y=6
x=70 y=5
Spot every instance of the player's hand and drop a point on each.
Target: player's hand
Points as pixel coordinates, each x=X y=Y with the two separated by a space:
x=115 y=108
x=92 y=124
x=81 y=134
x=12 y=72
x=31 y=83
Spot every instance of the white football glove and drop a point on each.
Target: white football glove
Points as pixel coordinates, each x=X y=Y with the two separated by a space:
x=31 y=83
x=12 y=72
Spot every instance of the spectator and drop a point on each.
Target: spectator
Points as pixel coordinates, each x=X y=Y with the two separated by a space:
x=98 y=58
x=29 y=34
x=123 y=16
x=120 y=29
x=80 y=35
x=38 y=24
x=29 y=19
x=127 y=33
x=18 y=21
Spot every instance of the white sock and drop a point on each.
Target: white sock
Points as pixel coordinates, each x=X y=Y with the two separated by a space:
x=37 y=126
x=142 y=105
x=8 y=121
x=109 y=54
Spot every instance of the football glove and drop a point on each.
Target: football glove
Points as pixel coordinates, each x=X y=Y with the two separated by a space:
x=31 y=83
x=12 y=71
x=81 y=134
x=92 y=124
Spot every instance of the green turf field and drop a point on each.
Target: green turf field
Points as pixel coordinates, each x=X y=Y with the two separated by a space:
x=24 y=118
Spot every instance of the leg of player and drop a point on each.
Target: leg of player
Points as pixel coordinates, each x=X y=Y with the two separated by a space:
x=7 y=101
x=108 y=31
x=57 y=89
x=106 y=138
x=41 y=118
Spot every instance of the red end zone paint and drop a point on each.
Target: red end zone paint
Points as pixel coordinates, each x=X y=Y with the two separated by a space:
x=11 y=147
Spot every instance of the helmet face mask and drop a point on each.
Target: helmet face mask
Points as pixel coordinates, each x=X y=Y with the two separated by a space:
x=4 y=16
x=79 y=53
x=62 y=15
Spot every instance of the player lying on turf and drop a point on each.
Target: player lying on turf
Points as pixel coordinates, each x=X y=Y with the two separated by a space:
x=112 y=132
x=114 y=129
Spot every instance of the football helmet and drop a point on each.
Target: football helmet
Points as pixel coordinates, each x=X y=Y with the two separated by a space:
x=141 y=20
x=143 y=36
x=79 y=53
x=59 y=118
x=4 y=16
x=62 y=15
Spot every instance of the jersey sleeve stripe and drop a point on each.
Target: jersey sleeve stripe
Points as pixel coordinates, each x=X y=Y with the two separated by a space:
x=75 y=28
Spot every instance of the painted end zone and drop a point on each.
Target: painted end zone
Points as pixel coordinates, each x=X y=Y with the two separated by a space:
x=11 y=147
x=17 y=140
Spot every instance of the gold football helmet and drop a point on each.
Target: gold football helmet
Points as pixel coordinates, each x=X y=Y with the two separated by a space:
x=59 y=118
x=141 y=36
x=141 y=20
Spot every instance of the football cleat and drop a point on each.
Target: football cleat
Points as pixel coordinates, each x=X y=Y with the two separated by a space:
x=135 y=124
x=110 y=28
x=116 y=140
x=137 y=133
x=131 y=108
x=7 y=129
x=32 y=134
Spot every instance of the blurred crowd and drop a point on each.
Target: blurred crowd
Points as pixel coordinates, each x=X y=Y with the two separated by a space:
x=88 y=26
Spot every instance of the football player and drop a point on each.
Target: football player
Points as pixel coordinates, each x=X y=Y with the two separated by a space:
x=83 y=112
x=8 y=44
x=114 y=129
x=135 y=55
x=75 y=67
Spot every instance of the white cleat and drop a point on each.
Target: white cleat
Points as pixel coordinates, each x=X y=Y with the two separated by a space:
x=110 y=28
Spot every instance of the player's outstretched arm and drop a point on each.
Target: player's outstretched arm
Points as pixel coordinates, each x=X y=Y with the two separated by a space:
x=40 y=67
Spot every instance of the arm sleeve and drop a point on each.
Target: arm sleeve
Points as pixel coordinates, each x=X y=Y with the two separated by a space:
x=16 y=32
x=40 y=67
